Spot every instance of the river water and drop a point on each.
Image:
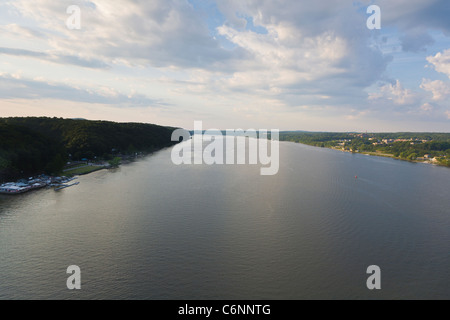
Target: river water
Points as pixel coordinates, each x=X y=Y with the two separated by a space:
x=154 y=230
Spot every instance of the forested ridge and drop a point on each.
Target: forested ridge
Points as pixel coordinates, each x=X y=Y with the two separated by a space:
x=33 y=145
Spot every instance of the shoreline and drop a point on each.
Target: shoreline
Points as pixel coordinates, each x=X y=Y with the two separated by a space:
x=374 y=154
x=383 y=155
x=64 y=176
x=84 y=170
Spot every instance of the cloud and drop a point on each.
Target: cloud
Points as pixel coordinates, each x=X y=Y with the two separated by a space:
x=300 y=69
x=288 y=55
x=426 y=107
x=56 y=58
x=415 y=13
x=160 y=33
x=414 y=19
x=21 y=52
x=416 y=41
x=439 y=89
x=17 y=87
x=441 y=62
x=309 y=52
x=395 y=93
x=20 y=31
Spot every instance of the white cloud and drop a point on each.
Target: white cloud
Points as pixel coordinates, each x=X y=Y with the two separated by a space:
x=280 y=66
x=439 y=89
x=395 y=93
x=160 y=33
x=441 y=62
x=309 y=51
x=426 y=107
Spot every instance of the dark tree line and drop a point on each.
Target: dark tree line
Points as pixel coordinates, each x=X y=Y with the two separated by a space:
x=24 y=151
x=43 y=145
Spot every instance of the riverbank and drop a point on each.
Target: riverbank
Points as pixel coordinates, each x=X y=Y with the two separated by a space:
x=387 y=155
x=79 y=171
x=60 y=182
x=419 y=147
x=33 y=183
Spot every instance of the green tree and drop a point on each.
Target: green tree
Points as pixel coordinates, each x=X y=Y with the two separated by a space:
x=3 y=163
x=114 y=163
x=56 y=165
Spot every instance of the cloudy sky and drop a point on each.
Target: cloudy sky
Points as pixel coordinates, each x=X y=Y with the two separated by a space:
x=289 y=65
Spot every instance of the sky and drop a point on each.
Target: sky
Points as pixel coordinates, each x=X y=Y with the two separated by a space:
x=287 y=65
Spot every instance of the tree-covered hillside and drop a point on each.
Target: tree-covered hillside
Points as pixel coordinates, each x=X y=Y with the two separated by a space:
x=24 y=151
x=33 y=145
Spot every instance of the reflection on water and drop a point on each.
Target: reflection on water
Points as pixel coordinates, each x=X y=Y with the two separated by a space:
x=153 y=230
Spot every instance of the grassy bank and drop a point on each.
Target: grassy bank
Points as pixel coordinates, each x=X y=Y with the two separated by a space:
x=82 y=170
